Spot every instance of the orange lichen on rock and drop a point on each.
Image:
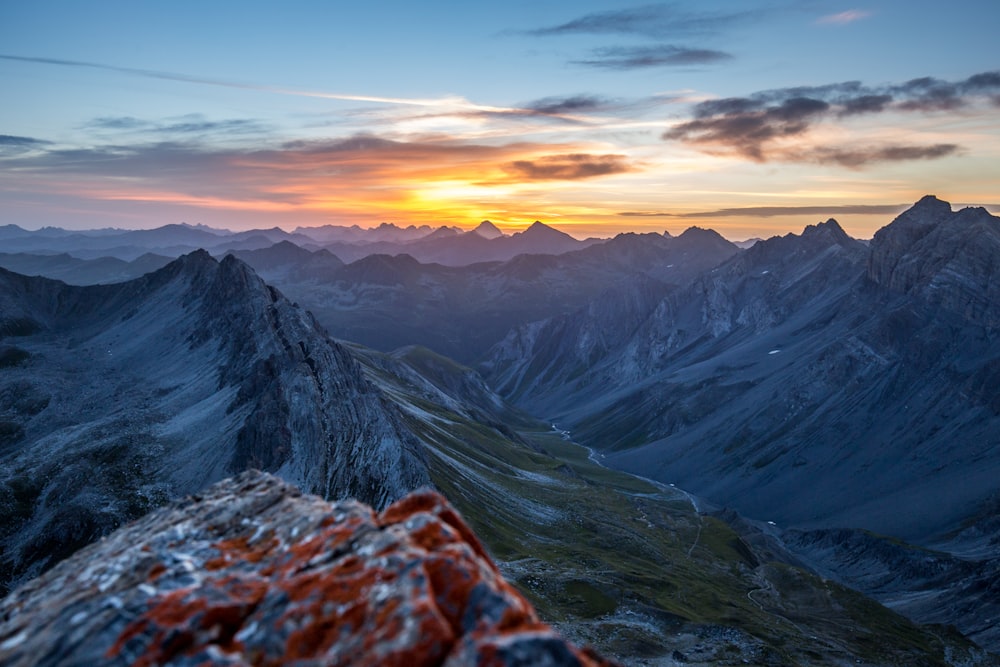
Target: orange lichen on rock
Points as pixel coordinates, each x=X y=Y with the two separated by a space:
x=290 y=579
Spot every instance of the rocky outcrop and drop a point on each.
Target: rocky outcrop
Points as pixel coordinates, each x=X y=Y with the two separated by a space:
x=254 y=572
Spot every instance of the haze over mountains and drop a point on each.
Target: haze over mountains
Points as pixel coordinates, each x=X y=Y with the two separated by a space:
x=842 y=390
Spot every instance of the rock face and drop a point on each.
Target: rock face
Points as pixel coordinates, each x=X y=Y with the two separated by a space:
x=947 y=259
x=118 y=397
x=253 y=572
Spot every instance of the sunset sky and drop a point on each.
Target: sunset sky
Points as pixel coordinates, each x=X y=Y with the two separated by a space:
x=753 y=118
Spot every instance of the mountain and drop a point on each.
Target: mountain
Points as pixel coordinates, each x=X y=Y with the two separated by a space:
x=387 y=302
x=488 y=230
x=386 y=231
x=114 y=398
x=944 y=259
x=645 y=572
x=811 y=381
x=286 y=261
x=453 y=248
x=82 y=271
x=169 y=240
x=269 y=576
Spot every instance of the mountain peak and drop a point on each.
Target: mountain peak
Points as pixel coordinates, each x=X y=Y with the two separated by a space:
x=695 y=232
x=539 y=229
x=441 y=233
x=946 y=257
x=931 y=202
x=487 y=230
x=830 y=229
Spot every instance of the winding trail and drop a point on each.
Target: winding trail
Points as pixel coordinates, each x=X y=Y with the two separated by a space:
x=595 y=458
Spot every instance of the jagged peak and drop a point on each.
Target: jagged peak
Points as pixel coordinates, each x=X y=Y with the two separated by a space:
x=196 y=258
x=831 y=228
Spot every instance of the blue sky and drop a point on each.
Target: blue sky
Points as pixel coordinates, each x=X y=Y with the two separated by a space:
x=750 y=117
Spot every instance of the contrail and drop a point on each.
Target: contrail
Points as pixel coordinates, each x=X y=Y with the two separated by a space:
x=186 y=78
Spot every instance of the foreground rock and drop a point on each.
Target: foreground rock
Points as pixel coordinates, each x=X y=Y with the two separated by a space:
x=254 y=572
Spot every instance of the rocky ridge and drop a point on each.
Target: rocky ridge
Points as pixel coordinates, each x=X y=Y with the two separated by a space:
x=121 y=396
x=253 y=572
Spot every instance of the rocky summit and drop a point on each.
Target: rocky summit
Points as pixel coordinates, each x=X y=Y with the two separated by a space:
x=254 y=572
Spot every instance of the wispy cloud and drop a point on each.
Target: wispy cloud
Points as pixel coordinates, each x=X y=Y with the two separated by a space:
x=223 y=83
x=190 y=124
x=843 y=18
x=664 y=20
x=861 y=157
x=14 y=145
x=640 y=57
x=774 y=125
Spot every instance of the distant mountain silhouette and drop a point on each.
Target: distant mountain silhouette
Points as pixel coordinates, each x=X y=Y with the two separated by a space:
x=488 y=230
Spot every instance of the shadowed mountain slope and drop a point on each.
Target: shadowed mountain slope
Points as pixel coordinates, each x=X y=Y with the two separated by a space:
x=116 y=397
x=386 y=302
x=810 y=381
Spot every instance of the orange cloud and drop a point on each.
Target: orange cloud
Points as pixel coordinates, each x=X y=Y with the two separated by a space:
x=358 y=177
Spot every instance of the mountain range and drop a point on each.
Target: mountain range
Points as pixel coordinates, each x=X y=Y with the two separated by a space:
x=812 y=381
x=446 y=245
x=826 y=408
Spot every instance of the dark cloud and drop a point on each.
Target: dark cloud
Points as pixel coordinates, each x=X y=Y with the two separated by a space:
x=772 y=211
x=638 y=57
x=929 y=94
x=656 y=21
x=23 y=142
x=987 y=81
x=11 y=145
x=568 y=167
x=753 y=126
x=554 y=106
x=853 y=106
x=860 y=157
x=747 y=132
